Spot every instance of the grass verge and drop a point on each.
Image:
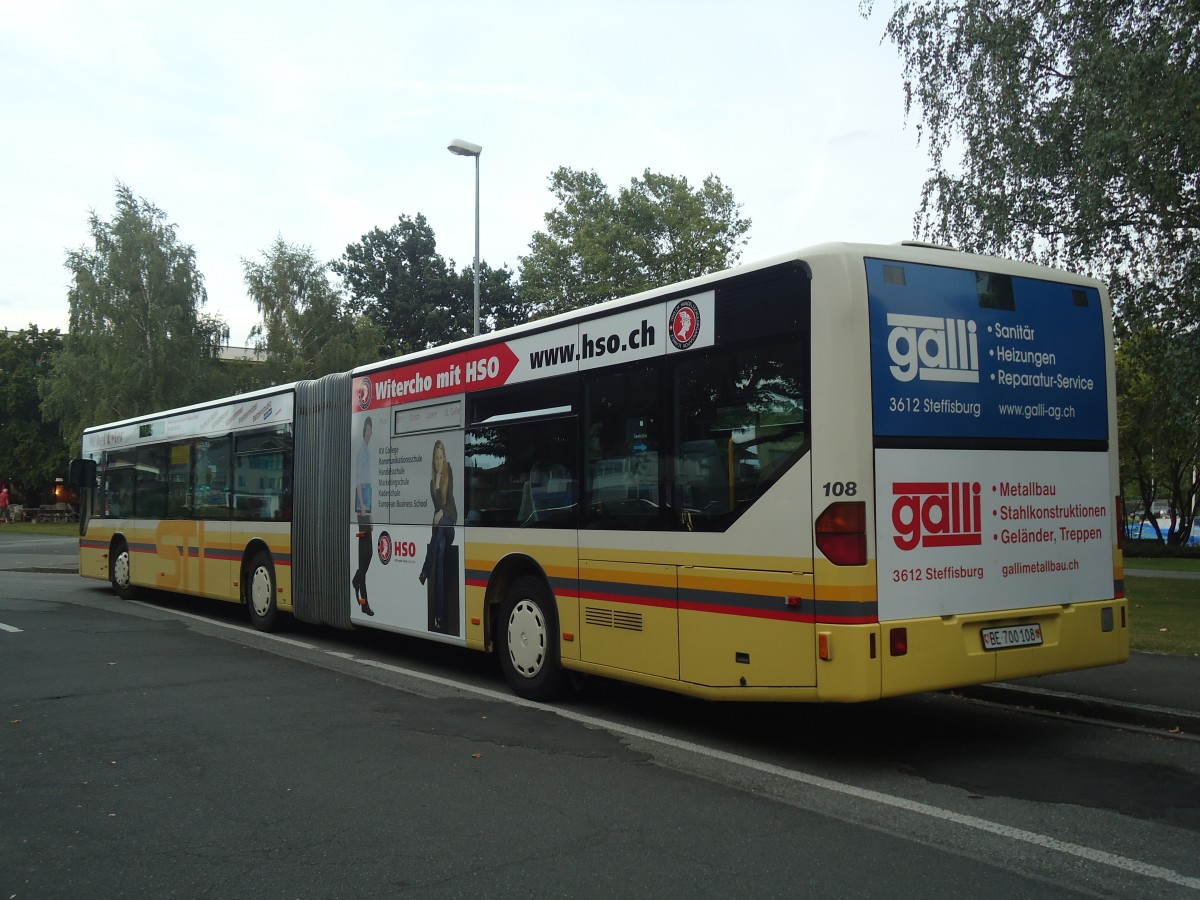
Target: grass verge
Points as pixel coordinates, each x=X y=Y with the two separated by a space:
x=56 y=529
x=1164 y=614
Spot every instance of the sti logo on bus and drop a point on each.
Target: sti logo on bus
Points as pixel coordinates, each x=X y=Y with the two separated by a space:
x=684 y=324
x=936 y=514
x=933 y=348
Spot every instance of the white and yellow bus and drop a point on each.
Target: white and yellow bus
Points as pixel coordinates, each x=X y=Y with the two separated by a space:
x=848 y=473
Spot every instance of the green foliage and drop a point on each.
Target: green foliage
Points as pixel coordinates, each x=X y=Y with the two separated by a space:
x=1158 y=423
x=306 y=330
x=655 y=231
x=137 y=340
x=499 y=303
x=32 y=452
x=402 y=284
x=1067 y=132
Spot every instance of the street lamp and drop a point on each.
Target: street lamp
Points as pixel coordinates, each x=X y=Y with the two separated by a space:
x=460 y=147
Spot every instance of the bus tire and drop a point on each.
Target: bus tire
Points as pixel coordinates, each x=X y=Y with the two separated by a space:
x=527 y=639
x=120 y=571
x=259 y=591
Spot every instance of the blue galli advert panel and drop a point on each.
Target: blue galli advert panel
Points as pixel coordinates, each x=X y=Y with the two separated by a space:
x=963 y=354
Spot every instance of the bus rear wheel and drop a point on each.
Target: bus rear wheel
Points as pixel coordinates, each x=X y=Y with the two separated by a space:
x=259 y=590
x=120 y=571
x=527 y=640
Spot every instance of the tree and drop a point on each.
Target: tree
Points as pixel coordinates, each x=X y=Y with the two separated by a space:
x=32 y=451
x=400 y=281
x=306 y=329
x=1159 y=425
x=137 y=340
x=1065 y=131
x=1068 y=132
x=500 y=305
x=655 y=231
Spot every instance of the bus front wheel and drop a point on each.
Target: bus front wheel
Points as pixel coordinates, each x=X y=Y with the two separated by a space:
x=259 y=589
x=527 y=641
x=120 y=571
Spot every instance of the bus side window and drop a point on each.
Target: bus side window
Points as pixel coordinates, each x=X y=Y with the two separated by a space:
x=519 y=475
x=701 y=478
x=152 y=464
x=623 y=428
x=211 y=478
x=117 y=484
x=521 y=457
x=179 y=481
x=263 y=472
x=741 y=421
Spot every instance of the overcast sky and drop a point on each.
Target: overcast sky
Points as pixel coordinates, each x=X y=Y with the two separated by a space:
x=319 y=121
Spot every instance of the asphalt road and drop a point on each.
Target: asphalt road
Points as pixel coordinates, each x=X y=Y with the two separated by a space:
x=162 y=749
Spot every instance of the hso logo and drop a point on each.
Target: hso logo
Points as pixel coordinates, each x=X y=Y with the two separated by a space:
x=684 y=324
x=933 y=348
x=364 y=392
x=385 y=547
x=936 y=514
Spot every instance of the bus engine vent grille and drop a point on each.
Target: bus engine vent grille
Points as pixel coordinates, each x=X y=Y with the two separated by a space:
x=630 y=621
x=611 y=618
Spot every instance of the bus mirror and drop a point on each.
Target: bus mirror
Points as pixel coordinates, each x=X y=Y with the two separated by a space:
x=81 y=473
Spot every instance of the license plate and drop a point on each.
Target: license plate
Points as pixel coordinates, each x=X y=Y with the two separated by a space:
x=1012 y=636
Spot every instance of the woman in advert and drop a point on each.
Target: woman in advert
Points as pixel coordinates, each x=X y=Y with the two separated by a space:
x=362 y=510
x=445 y=514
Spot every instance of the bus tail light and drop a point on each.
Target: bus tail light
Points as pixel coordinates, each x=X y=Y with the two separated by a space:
x=898 y=641
x=842 y=533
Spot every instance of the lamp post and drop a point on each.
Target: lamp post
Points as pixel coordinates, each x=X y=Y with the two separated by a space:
x=460 y=147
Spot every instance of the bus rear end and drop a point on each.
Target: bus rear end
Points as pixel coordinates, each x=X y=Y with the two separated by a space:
x=995 y=472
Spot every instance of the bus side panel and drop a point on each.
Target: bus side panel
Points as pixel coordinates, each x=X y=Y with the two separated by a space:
x=746 y=628
x=494 y=556
x=278 y=538
x=93 y=550
x=191 y=557
x=629 y=616
x=197 y=557
x=221 y=562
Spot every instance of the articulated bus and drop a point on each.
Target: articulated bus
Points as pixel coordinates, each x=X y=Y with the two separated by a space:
x=852 y=472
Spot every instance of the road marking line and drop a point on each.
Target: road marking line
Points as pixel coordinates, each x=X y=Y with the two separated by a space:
x=1022 y=835
x=1007 y=831
x=11 y=628
x=229 y=625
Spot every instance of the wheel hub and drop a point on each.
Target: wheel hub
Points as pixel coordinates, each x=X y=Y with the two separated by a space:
x=527 y=638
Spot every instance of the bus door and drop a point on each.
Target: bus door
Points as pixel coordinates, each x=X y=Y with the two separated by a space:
x=214 y=565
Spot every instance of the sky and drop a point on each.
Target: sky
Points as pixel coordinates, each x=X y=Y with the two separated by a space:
x=316 y=122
